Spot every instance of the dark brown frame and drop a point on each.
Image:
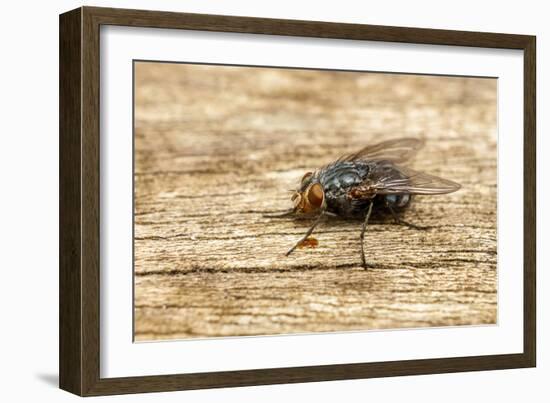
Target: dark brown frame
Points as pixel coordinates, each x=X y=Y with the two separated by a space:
x=79 y=201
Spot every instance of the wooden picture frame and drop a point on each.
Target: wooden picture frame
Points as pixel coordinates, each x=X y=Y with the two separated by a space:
x=79 y=348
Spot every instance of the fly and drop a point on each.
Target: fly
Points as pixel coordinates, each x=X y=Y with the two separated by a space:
x=370 y=180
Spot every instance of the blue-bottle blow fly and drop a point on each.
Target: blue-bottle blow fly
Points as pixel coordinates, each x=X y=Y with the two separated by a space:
x=372 y=179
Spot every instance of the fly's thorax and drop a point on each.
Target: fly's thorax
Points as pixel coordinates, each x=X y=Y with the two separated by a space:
x=341 y=176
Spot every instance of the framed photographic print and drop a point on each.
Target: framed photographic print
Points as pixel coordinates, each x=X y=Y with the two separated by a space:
x=249 y=201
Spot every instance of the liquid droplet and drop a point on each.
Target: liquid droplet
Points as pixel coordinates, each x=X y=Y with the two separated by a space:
x=309 y=242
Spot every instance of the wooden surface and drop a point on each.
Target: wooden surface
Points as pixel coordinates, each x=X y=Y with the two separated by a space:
x=217 y=147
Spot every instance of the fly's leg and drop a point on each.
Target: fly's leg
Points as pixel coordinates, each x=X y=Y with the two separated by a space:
x=399 y=220
x=308 y=233
x=363 y=230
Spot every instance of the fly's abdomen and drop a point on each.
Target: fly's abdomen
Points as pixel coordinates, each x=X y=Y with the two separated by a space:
x=398 y=201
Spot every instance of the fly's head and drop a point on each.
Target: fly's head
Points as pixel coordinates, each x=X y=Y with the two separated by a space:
x=310 y=195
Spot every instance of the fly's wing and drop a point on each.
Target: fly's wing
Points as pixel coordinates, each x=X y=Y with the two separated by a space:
x=397 y=151
x=385 y=177
x=388 y=178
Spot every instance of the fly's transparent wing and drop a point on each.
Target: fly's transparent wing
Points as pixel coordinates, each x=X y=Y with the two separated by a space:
x=397 y=151
x=385 y=177
x=388 y=178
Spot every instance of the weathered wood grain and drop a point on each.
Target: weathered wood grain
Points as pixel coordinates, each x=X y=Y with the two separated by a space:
x=216 y=147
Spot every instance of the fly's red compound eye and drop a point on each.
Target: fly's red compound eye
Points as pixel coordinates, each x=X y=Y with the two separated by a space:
x=315 y=195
